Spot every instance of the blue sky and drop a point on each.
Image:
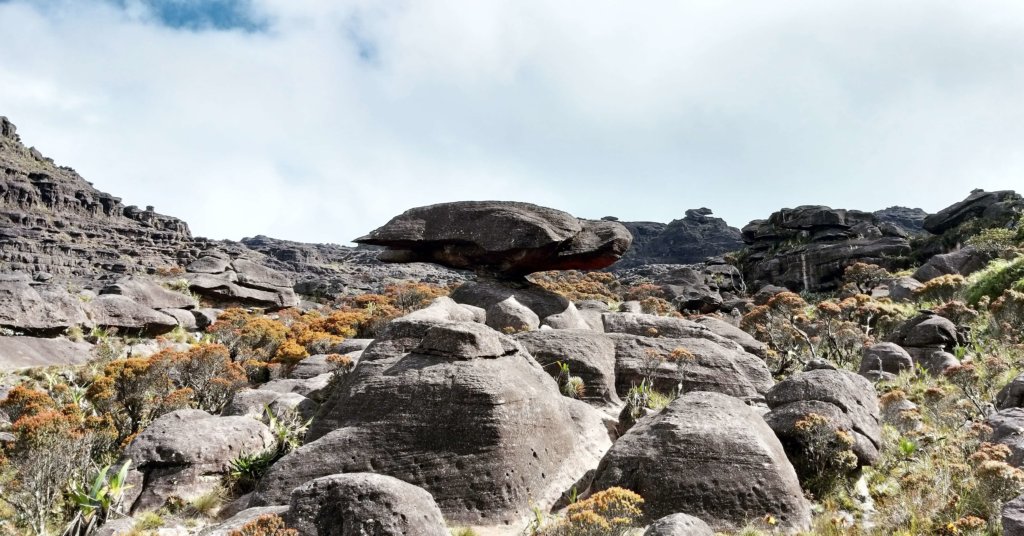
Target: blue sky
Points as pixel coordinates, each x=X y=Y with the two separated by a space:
x=318 y=120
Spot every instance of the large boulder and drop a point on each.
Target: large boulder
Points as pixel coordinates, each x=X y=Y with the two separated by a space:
x=26 y=352
x=590 y=355
x=694 y=238
x=1008 y=429
x=357 y=504
x=116 y=311
x=505 y=238
x=884 y=360
x=847 y=401
x=43 y=309
x=186 y=453
x=1012 y=394
x=679 y=525
x=1013 y=517
x=930 y=339
x=149 y=294
x=511 y=304
x=710 y=456
x=458 y=409
x=964 y=261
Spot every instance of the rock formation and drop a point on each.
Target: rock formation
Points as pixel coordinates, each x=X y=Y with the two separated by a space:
x=809 y=247
x=690 y=240
x=501 y=238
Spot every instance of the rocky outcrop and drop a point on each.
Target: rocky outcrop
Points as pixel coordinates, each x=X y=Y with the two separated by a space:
x=502 y=238
x=240 y=280
x=1008 y=429
x=930 y=340
x=710 y=456
x=28 y=352
x=455 y=408
x=54 y=222
x=690 y=240
x=809 y=247
x=907 y=220
x=39 y=308
x=331 y=269
x=704 y=288
x=355 y=504
x=960 y=262
x=995 y=207
x=1013 y=517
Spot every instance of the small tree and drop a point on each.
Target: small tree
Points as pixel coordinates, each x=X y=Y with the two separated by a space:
x=865 y=277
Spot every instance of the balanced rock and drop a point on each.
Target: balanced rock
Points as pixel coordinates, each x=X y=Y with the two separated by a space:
x=458 y=409
x=505 y=238
x=711 y=456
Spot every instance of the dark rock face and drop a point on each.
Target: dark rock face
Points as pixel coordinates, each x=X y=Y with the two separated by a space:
x=186 y=453
x=1013 y=517
x=710 y=456
x=1012 y=394
x=846 y=400
x=703 y=288
x=907 y=220
x=457 y=409
x=998 y=206
x=504 y=238
x=357 y=504
x=53 y=221
x=809 y=247
x=692 y=239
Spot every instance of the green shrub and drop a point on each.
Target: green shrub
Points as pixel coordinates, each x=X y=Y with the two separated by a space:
x=995 y=279
x=993 y=241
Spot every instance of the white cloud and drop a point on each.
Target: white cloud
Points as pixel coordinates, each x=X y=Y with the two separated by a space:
x=342 y=114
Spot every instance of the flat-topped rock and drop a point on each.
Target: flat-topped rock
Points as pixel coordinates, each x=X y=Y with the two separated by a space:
x=504 y=238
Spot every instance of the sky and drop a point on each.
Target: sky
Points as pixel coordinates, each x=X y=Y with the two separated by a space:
x=319 y=120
